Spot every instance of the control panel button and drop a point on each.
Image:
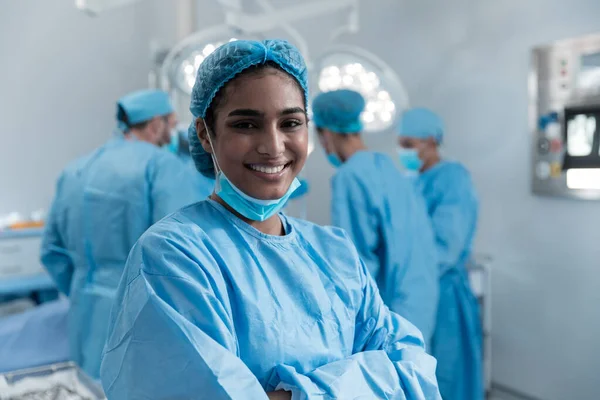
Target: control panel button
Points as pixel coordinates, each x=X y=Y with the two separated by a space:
x=543 y=146
x=547 y=119
x=555 y=170
x=553 y=130
x=542 y=170
x=556 y=146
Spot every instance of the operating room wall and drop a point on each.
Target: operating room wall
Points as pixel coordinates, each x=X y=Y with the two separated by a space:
x=469 y=60
x=61 y=73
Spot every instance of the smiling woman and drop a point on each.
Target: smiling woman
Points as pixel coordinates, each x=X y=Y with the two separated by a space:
x=257 y=147
x=230 y=299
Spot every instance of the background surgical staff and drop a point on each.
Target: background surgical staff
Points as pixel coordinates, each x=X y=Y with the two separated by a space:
x=233 y=300
x=381 y=210
x=180 y=146
x=453 y=207
x=104 y=201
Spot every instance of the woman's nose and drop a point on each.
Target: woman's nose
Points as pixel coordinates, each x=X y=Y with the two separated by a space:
x=272 y=142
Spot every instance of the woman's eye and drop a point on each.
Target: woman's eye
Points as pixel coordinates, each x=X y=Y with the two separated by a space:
x=291 y=124
x=244 y=125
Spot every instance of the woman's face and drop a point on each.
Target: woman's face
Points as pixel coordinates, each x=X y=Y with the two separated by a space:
x=261 y=136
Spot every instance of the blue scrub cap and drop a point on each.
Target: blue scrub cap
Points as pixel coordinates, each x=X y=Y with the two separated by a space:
x=223 y=65
x=421 y=123
x=142 y=106
x=339 y=111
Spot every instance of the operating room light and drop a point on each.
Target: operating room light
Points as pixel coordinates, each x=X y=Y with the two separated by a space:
x=368 y=117
x=350 y=68
x=185 y=75
x=385 y=116
x=380 y=106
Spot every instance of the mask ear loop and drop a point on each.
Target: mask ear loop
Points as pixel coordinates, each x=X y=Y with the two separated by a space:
x=214 y=159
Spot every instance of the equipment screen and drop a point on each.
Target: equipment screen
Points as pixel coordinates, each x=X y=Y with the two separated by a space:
x=580 y=135
x=589 y=71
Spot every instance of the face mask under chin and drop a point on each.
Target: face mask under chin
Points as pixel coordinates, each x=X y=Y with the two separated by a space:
x=246 y=205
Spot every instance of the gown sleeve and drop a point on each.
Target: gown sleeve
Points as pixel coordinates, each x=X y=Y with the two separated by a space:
x=389 y=360
x=454 y=218
x=350 y=211
x=415 y=294
x=54 y=255
x=170 y=323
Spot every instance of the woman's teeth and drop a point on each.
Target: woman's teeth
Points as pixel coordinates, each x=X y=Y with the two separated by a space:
x=267 y=170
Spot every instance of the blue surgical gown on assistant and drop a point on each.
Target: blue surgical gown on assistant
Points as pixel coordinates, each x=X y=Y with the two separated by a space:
x=457 y=342
x=206 y=184
x=211 y=308
x=103 y=204
x=386 y=217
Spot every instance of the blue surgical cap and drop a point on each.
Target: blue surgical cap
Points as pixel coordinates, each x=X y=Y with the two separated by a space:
x=421 y=123
x=142 y=106
x=339 y=111
x=223 y=65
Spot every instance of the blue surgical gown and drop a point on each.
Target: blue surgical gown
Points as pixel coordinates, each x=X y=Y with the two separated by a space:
x=457 y=342
x=103 y=203
x=206 y=184
x=211 y=308
x=386 y=217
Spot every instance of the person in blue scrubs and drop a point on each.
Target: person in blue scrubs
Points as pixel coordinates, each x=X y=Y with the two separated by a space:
x=453 y=206
x=381 y=210
x=230 y=299
x=180 y=146
x=103 y=203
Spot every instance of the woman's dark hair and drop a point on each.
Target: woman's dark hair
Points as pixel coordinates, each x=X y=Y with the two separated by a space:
x=220 y=97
